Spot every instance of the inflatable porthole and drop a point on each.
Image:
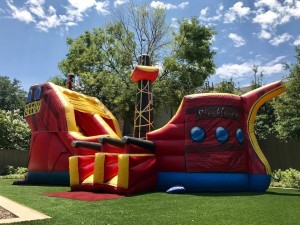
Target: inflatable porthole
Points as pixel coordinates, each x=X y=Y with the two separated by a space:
x=197 y=134
x=222 y=134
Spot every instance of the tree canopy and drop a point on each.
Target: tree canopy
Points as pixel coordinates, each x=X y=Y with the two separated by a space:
x=12 y=96
x=149 y=28
x=226 y=86
x=287 y=107
x=14 y=131
x=191 y=60
x=104 y=58
x=265 y=118
x=102 y=62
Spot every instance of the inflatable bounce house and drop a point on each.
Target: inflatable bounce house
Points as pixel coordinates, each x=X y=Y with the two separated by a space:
x=208 y=146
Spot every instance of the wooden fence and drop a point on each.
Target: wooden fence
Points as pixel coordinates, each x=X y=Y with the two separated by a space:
x=13 y=158
x=280 y=155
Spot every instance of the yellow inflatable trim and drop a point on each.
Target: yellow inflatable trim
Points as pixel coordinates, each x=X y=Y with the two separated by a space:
x=89 y=180
x=147 y=68
x=123 y=170
x=99 y=168
x=73 y=169
x=251 y=118
x=113 y=181
x=72 y=100
x=32 y=108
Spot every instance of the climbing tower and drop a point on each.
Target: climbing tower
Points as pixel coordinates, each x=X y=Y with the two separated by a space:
x=144 y=75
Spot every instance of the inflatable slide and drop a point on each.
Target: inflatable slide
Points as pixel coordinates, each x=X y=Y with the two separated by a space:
x=57 y=117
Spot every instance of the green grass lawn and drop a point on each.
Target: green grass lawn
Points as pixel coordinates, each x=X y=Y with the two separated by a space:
x=276 y=206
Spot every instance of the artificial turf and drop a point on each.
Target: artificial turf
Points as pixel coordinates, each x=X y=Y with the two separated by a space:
x=276 y=206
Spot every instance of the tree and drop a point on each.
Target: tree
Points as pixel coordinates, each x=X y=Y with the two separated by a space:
x=287 y=106
x=58 y=80
x=149 y=28
x=265 y=118
x=14 y=131
x=12 y=97
x=257 y=80
x=103 y=64
x=226 y=86
x=104 y=58
x=190 y=62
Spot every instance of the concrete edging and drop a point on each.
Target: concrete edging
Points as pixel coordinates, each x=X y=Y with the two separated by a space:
x=22 y=212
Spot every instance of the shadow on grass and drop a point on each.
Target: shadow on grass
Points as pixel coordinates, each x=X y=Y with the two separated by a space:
x=234 y=194
x=226 y=194
x=280 y=192
x=284 y=193
x=207 y=194
x=25 y=183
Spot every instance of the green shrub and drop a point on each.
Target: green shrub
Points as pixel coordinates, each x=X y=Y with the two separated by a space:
x=7 y=170
x=289 y=178
x=10 y=172
x=14 y=131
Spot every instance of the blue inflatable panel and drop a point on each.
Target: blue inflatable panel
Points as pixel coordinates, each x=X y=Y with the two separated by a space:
x=58 y=178
x=259 y=182
x=214 y=182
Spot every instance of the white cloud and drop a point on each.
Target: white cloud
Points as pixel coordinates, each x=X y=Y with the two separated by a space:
x=183 y=5
x=272 y=69
x=264 y=35
x=50 y=22
x=238 y=41
x=271 y=13
x=229 y=17
x=210 y=20
x=215 y=48
x=203 y=12
x=82 y=6
x=102 y=7
x=244 y=70
x=297 y=41
x=120 y=2
x=35 y=2
x=281 y=39
x=266 y=18
x=234 y=70
x=240 y=10
x=174 y=23
x=51 y=10
x=37 y=10
x=21 y=14
x=168 y=6
x=294 y=10
x=220 y=8
x=158 y=4
x=34 y=11
x=237 y=10
x=276 y=60
x=269 y=3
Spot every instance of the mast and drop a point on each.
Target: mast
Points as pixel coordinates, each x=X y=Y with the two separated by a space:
x=144 y=75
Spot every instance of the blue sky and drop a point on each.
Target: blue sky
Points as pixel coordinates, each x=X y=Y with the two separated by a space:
x=264 y=32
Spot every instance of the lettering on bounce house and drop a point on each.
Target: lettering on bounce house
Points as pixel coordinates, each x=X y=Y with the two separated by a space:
x=208 y=146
